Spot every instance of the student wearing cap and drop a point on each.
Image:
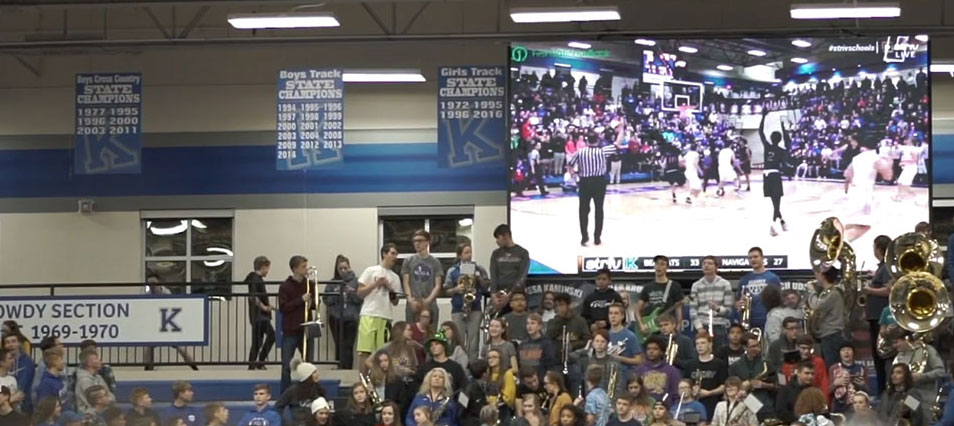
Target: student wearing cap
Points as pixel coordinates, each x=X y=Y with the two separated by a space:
x=299 y=396
x=8 y=416
x=321 y=412
x=182 y=395
x=438 y=347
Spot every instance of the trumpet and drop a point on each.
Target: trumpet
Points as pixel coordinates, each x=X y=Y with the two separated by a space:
x=613 y=369
x=746 y=310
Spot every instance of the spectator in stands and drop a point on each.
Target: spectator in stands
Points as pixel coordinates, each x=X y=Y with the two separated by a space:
x=9 y=416
x=343 y=305
x=99 y=401
x=595 y=308
x=421 y=329
x=113 y=416
x=87 y=376
x=468 y=318
x=259 y=314
x=141 y=407
x=422 y=276
x=300 y=396
x=405 y=354
x=47 y=413
x=390 y=414
x=183 y=394
x=11 y=327
x=48 y=342
x=52 y=383
x=261 y=414
x=517 y=318
x=105 y=370
x=456 y=343
x=438 y=347
x=788 y=394
x=437 y=390
x=7 y=379
x=359 y=411
x=217 y=414
x=293 y=301
x=538 y=350
x=509 y=265
x=24 y=369
x=377 y=285
x=321 y=413
x=789 y=300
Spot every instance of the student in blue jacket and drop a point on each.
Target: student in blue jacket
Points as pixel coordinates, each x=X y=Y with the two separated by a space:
x=261 y=414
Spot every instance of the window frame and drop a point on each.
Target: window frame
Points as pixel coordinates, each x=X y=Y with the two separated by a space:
x=427 y=215
x=188 y=216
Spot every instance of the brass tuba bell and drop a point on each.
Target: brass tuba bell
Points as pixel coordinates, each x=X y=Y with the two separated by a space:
x=918 y=299
x=829 y=249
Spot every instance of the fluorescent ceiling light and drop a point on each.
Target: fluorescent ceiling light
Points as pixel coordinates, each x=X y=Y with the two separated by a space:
x=801 y=43
x=756 y=52
x=923 y=38
x=942 y=67
x=724 y=67
x=514 y=69
x=529 y=15
x=561 y=65
x=644 y=42
x=799 y=60
x=264 y=21
x=680 y=64
x=383 y=76
x=845 y=11
x=709 y=82
x=579 y=45
x=688 y=49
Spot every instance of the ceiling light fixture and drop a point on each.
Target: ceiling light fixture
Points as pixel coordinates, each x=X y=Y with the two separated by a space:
x=756 y=52
x=942 y=67
x=530 y=15
x=644 y=42
x=383 y=76
x=865 y=10
x=579 y=45
x=270 y=21
x=724 y=67
x=688 y=49
x=801 y=43
x=799 y=60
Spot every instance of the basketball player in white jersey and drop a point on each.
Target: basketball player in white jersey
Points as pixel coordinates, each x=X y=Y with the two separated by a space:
x=691 y=163
x=860 y=178
x=909 y=168
x=727 y=166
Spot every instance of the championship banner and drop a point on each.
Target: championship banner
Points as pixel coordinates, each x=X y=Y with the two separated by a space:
x=108 y=136
x=112 y=320
x=471 y=120
x=310 y=120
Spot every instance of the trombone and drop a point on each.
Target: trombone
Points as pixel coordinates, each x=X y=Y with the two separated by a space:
x=312 y=316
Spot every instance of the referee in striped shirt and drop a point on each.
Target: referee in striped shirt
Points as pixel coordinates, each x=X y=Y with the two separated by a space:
x=590 y=164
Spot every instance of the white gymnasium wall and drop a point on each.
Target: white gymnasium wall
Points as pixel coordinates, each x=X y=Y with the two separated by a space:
x=216 y=90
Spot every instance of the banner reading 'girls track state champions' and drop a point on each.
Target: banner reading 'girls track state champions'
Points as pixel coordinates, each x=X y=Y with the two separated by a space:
x=108 y=136
x=310 y=120
x=471 y=121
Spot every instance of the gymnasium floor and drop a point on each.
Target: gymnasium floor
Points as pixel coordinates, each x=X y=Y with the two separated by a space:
x=641 y=220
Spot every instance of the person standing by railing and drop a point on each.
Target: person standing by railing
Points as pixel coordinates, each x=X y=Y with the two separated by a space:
x=343 y=304
x=259 y=314
x=293 y=301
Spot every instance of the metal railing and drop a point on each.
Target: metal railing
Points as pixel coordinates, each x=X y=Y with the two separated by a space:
x=230 y=332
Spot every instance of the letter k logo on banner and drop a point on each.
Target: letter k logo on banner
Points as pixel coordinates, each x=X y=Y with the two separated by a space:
x=468 y=143
x=167 y=318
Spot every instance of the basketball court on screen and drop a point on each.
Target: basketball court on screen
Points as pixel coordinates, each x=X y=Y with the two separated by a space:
x=641 y=220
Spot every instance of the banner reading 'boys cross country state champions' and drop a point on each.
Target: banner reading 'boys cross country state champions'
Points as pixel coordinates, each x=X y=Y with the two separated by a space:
x=108 y=134
x=471 y=120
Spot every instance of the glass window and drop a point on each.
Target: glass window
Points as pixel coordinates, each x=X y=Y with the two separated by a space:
x=400 y=230
x=195 y=250
x=446 y=231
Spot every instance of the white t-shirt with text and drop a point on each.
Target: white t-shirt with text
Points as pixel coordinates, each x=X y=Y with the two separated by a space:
x=378 y=302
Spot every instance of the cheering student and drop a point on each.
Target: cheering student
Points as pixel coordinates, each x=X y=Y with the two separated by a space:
x=776 y=156
x=509 y=265
x=752 y=284
x=422 y=275
x=756 y=374
x=710 y=302
x=261 y=413
x=596 y=304
x=293 y=301
x=376 y=285
x=660 y=378
x=260 y=314
x=708 y=372
x=733 y=411
x=661 y=294
x=436 y=393
x=589 y=164
x=843 y=374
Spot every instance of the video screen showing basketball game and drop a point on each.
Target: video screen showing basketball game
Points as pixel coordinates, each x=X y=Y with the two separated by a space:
x=623 y=150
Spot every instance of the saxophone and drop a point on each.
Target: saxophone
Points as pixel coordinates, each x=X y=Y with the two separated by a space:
x=469 y=283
